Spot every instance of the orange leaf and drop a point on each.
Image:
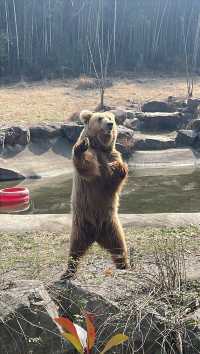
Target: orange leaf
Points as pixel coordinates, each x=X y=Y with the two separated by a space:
x=67 y=326
x=108 y=272
x=74 y=341
x=114 y=341
x=91 y=332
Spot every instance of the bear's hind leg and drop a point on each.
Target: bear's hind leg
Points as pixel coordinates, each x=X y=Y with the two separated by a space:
x=82 y=237
x=113 y=240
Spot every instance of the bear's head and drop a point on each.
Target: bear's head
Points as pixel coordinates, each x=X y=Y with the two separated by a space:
x=100 y=128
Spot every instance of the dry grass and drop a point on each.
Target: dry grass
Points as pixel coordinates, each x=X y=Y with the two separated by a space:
x=86 y=83
x=53 y=101
x=44 y=255
x=144 y=310
x=91 y=83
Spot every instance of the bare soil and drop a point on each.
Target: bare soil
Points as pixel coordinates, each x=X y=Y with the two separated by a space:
x=54 y=101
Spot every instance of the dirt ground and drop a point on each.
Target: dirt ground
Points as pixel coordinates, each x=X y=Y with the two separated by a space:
x=43 y=256
x=54 y=101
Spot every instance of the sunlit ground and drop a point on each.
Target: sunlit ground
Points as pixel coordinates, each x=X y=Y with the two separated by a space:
x=56 y=100
x=37 y=255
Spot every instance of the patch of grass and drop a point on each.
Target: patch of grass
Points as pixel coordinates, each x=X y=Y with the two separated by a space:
x=144 y=303
x=44 y=255
x=91 y=83
x=86 y=83
x=144 y=238
x=54 y=101
x=32 y=255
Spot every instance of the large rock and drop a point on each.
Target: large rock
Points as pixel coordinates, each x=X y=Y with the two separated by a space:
x=157 y=106
x=149 y=142
x=121 y=303
x=10 y=175
x=71 y=131
x=186 y=138
x=122 y=114
x=71 y=294
x=194 y=125
x=14 y=135
x=192 y=104
x=26 y=320
x=2 y=138
x=156 y=122
x=132 y=123
x=177 y=102
x=107 y=315
x=124 y=133
x=125 y=150
x=125 y=141
x=2 y=142
x=126 y=305
x=44 y=132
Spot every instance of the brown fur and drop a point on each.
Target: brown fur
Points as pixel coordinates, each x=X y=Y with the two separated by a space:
x=98 y=178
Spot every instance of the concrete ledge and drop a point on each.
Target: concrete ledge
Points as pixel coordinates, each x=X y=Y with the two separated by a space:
x=62 y=222
x=171 y=158
x=34 y=163
x=39 y=160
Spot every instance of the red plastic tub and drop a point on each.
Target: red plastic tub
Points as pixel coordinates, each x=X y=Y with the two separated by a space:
x=14 y=208
x=14 y=195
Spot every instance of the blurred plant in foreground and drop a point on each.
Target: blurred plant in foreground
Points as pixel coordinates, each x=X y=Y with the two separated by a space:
x=84 y=340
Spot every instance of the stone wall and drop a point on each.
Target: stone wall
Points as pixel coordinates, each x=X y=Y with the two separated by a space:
x=144 y=129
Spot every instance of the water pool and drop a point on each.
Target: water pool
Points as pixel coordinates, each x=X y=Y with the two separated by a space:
x=145 y=192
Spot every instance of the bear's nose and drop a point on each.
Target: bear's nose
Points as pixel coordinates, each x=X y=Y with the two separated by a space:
x=110 y=125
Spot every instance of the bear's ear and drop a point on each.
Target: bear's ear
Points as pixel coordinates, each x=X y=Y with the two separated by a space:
x=110 y=114
x=85 y=116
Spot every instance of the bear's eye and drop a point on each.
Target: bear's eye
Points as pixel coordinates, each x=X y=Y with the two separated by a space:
x=100 y=119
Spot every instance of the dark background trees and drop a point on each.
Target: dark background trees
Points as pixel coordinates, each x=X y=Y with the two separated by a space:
x=53 y=38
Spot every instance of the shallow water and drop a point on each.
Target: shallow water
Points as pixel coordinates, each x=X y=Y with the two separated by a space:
x=145 y=192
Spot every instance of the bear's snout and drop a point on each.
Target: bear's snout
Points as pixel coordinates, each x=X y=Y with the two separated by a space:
x=109 y=125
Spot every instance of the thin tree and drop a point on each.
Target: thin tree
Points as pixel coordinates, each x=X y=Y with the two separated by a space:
x=189 y=72
x=16 y=31
x=103 y=54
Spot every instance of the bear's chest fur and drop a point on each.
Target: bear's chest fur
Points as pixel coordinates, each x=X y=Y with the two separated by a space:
x=93 y=196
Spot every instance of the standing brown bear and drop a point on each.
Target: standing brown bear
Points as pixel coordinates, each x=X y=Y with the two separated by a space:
x=99 y=176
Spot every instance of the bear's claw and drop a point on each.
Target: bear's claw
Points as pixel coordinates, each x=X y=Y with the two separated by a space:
x=81 y=147
x=119 y=169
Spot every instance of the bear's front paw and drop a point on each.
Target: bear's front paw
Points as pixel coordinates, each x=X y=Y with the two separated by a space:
x=81 y=147
x=119 y=169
